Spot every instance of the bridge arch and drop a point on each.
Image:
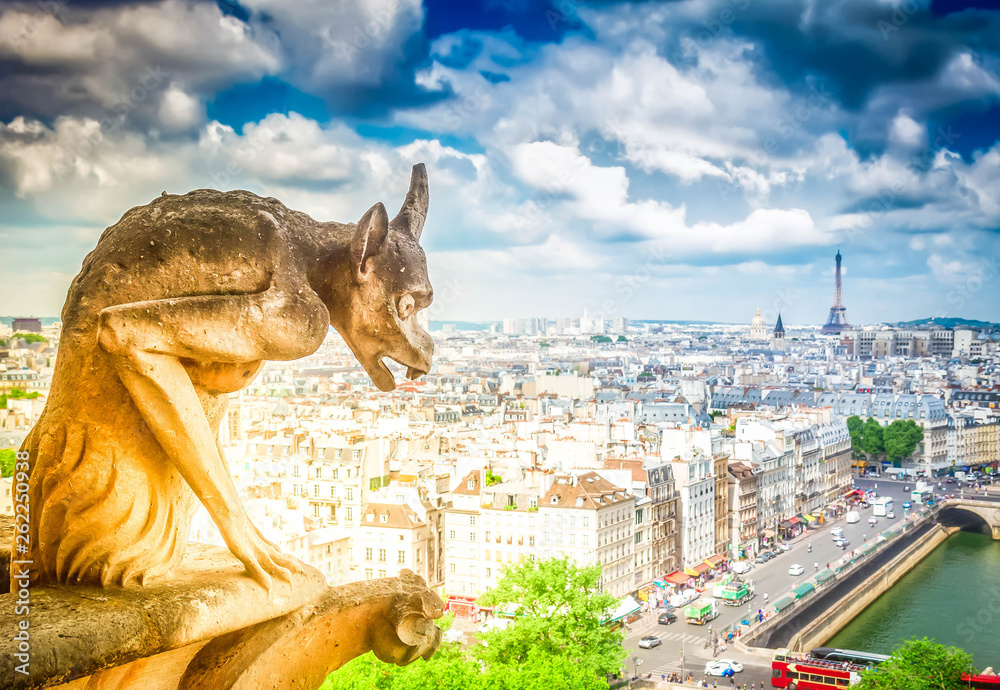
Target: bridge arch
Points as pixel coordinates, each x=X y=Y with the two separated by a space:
x=972 y=515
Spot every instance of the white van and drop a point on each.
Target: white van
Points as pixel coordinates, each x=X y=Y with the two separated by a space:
x=853 y=516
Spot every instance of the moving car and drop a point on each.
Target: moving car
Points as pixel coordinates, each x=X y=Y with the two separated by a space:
x=841 y=542
x=891 y=515
x=854 y=516
x=723 y=667
x=907 y=504
x=872 y=520
x=649 y=641
x=667 y=618
x=796 y=570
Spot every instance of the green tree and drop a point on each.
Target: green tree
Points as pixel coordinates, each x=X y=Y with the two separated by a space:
x=901 y=439
x=919 y=665
x=622 y=339
x=856 y=428
x=7 y=458
x=560 y=612
x=30 y=338
x=873 y=438
x=600 y=339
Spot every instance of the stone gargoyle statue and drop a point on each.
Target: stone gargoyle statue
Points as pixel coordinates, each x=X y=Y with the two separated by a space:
x=181 y=303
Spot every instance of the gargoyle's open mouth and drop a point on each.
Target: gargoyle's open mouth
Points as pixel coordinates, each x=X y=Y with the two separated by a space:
x=382 y=375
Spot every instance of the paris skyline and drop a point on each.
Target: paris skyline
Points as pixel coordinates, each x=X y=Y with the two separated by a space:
x=649 y=160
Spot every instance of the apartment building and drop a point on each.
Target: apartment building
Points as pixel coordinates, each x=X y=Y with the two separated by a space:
x=689 y=449
x=742 y=509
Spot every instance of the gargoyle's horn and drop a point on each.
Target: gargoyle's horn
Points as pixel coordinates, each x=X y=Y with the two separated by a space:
x=411 y=216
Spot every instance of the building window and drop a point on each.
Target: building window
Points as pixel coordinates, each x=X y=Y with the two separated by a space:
x=381 y=555
x=472 y=519
x=316 y=490
x=418 y=555
x=368 y=553
x=472 y=536
x=349 y=514
x=489 y=572
x=451 y=568
x=531 y=540
x=381 y=573
x=335 y=471
x=295 y=470
x=349 y=493
x=400 y=557
x=451 y=534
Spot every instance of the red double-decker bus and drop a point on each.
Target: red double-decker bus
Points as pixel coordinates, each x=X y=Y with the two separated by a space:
x=982 y=681
x=826 y=667
x=809 y=673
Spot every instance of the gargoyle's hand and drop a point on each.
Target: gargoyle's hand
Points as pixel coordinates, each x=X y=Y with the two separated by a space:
x=407 y=632
x=262 y=559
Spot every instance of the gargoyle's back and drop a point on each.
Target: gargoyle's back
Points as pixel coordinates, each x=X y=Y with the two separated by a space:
x=201 y=243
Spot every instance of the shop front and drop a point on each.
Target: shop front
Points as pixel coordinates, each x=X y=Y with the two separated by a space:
x=462 y=607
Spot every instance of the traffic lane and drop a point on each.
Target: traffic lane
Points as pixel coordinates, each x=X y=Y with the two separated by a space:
x=663 y=660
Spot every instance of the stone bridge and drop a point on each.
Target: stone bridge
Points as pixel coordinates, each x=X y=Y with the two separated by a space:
x=988 y=509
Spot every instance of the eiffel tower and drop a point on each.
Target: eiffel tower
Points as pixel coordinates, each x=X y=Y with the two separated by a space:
x=837 y=321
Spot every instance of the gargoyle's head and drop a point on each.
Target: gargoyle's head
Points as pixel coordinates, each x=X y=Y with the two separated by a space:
x=391 y=286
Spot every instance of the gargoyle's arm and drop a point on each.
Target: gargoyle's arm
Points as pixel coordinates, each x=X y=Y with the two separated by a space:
x=147 y=341
x=392 y=617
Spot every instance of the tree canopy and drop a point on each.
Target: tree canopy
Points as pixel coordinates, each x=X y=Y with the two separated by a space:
x=556 y=642
x=8 y=457
x=866 y=436
x=919 y=665
x=901 y=439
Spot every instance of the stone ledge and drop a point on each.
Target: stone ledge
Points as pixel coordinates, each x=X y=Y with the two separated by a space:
x=77 y=631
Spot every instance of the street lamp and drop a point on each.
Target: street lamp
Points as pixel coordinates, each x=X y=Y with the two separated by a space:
x=636 y=663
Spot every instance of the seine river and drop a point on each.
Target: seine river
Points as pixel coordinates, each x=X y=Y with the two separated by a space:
x=953 y=596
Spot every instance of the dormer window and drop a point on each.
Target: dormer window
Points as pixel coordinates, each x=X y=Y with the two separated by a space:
x=370 y=517
x=579 y=501
x=472 y=484
x=383 y=518
x=555 y=499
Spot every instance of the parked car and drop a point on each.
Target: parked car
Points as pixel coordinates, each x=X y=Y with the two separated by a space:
x=785 y=547
x=649 y=641
x=741 y=567
x=667 y=618
x=723 y=667
x=762 y=557
x=796 y=570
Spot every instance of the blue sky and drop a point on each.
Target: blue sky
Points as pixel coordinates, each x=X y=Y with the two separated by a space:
x=690 y=159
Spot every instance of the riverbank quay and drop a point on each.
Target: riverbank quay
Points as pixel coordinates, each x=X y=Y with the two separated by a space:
x=840 y=585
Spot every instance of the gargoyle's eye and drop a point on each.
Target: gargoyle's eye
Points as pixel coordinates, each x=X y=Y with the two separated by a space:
x=405 y=306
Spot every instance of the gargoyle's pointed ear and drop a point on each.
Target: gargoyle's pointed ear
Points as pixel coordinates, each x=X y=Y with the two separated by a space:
x=414 y=210
x=369 y=237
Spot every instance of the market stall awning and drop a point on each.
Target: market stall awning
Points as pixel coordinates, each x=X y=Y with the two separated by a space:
x=809 y=518
x=769 y=533
x=715 y=560
x=803 y=589
x=795 y=520
x=660 y=584
x=783 y=603
x=626 y=607
x=785 y=523
x=698 y=569
x=677 y=578
x=824 y=575
x=854 y=492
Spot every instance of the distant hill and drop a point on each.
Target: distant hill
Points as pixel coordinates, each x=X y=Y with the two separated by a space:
x=947 y=322
x=463 y=325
